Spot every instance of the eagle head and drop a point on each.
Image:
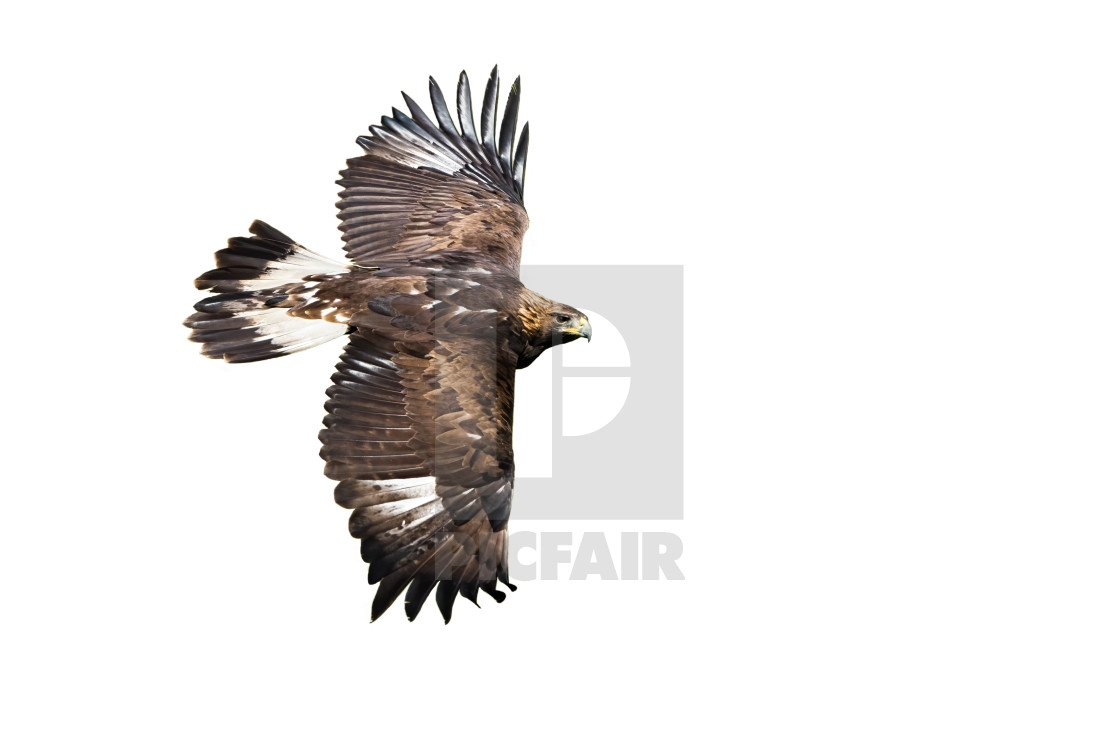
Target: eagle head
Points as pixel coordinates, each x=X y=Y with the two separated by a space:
x=568 y=324
x=545 y=323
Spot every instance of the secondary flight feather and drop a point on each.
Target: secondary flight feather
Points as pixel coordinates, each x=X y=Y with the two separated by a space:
x=419 y=430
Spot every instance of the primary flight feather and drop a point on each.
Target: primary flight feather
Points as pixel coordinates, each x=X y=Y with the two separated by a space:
x=419 y=430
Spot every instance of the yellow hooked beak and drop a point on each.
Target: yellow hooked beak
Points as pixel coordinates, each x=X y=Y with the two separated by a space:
x=583 y=330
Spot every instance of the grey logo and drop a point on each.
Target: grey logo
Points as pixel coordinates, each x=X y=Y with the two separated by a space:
x=598 y=554
x=611 y=444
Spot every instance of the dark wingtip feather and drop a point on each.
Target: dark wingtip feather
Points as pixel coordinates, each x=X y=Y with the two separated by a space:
x=417 y=594
x=445 y=598
x=489 y=121
x=465 y=108
x=388 y=589
x=520 y=158
x=470 y=591
x=439 y=106
x=492 y=589
x=503 y=576
x=509 y=126
x=418 y=115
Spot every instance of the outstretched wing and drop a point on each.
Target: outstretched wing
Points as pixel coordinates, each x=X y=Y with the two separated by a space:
x=419 y=434
x=427 y=188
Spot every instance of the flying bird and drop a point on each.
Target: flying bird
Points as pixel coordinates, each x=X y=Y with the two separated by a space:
x=419 y=427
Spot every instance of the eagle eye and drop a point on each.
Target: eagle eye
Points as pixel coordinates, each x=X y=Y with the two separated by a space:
x=563 y=318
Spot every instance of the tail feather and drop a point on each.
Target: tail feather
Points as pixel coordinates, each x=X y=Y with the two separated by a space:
x=246 y=319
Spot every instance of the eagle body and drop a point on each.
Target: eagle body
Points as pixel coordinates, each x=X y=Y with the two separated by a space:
x=419 y=429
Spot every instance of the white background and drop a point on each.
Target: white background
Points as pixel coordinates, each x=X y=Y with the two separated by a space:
x=899 y=226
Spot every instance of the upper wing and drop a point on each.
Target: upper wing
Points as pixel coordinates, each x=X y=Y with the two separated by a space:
x=426 y=188
x=419 y=432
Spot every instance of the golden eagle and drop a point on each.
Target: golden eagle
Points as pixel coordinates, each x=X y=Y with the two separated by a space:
x=420 y=417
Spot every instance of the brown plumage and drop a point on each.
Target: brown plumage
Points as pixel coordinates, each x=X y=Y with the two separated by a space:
x=419 y=429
